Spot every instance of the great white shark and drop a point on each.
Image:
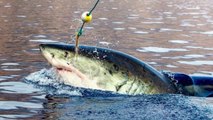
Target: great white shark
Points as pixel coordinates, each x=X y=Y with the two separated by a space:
x=110 y=70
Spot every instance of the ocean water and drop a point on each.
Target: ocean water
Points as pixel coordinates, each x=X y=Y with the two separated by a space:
x=79 y=103
x=169 y=35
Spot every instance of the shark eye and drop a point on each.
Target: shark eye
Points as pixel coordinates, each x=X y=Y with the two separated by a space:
x=116 y=67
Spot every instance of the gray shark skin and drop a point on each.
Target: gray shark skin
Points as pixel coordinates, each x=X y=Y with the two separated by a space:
x=105 y=69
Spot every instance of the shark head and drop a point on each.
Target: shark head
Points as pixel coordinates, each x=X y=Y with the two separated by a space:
x=64 y=60
x=104 y=69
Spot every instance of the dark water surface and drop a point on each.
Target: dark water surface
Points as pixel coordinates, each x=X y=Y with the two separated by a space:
x=174 y=35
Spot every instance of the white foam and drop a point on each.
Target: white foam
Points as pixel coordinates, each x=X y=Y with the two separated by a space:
x=50 y=78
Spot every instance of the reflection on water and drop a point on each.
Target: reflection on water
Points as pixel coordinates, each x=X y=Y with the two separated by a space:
x=17 y=87
x=160 y=50
x=170 y=35
x=99 y=104
x=179 y=41
x=199 y=63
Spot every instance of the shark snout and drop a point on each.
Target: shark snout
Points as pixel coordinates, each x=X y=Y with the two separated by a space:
x=42 y=47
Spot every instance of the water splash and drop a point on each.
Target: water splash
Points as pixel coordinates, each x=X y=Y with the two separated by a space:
x=49 y=81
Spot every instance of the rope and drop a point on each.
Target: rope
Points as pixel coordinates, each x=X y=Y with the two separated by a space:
x=80 y=32
x=81 y=29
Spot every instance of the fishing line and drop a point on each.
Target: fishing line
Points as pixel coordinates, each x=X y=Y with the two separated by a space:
x=86 y=17
x=93 y=7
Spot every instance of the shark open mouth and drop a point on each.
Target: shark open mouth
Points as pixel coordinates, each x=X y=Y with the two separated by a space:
x=70 y=70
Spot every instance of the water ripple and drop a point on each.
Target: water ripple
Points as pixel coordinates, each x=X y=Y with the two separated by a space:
x=119 y=29
x=17 y=87
x=40 y=36
x=103 y=18
x=197 y=63
x=190 y=56
x=207 y=33
x=171 y=66
x=179 y=41
x=8 y=105
x=169 y=30
x=141 y=32
x=43 y=41
x=152 y=22
x=160 y=50
x=10 y=64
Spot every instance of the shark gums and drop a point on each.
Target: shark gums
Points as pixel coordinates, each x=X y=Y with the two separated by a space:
x=104 y=69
